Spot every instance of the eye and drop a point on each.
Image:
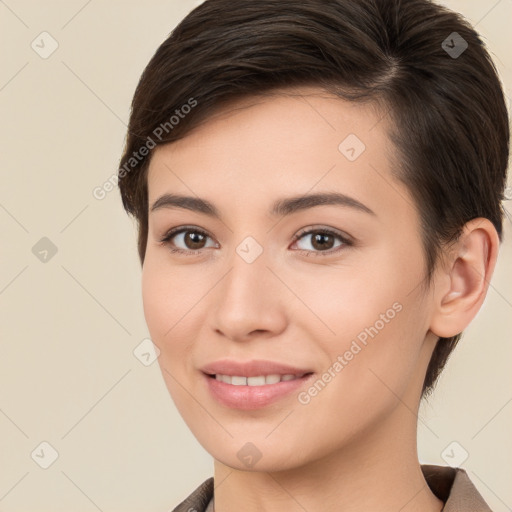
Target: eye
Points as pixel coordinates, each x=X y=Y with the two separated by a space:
x=193 y=240
x=321 y=240
x=189 y=236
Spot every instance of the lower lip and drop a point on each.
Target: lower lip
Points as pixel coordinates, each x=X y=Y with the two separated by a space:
x=252 y=397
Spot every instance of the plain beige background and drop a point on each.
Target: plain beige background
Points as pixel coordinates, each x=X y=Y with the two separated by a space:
x=72 y=320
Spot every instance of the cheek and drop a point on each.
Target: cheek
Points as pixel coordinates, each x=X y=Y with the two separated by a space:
x=164 y=309
x=341 y=302
x=364 y=380
x=165 y=314
x=383 y=356
x=155 y=301
x=368 y=317
x=170 y=299
x=166 y=296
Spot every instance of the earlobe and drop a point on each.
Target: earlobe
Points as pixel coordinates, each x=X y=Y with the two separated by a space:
x=465 y=279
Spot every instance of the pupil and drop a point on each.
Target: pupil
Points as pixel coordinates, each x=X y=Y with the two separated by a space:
x=192 y=235
x=317 y=239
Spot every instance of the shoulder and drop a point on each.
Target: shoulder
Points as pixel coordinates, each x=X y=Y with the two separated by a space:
x=454 y=488
x=199 y=499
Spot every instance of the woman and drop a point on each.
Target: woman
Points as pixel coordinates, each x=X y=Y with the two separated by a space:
x=318 y=190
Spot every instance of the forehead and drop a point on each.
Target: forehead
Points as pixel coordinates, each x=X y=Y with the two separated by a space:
x=289 y=142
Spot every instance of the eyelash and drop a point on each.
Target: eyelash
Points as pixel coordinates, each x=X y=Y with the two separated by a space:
x=190 y=252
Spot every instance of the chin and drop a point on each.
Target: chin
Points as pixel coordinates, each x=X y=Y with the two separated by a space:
x=258 y=456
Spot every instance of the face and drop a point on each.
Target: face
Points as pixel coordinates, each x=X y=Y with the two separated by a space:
x=327 y=291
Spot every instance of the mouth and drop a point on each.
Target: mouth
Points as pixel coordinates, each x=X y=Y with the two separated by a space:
x=253 y=392
x=253 y=384
x=257 y=380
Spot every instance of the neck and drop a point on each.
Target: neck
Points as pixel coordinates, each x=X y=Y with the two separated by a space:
x=377 y=471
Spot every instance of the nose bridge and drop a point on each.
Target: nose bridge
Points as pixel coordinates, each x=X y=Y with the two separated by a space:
x=247 y=298
x=249 y=276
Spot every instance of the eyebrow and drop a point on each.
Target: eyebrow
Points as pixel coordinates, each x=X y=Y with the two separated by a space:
x=281 y=207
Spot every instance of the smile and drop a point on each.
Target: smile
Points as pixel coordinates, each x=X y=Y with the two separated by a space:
x=255 y=392
x=259 y=380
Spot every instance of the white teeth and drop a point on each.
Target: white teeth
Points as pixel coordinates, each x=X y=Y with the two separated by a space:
x=239 y=381
x=272 y=379
x=256 y=381
x=259 y=380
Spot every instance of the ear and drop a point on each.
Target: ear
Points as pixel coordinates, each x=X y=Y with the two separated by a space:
x=462 y=282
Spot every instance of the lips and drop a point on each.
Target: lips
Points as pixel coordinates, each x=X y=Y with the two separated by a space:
x=239 y=385
x=254 y=368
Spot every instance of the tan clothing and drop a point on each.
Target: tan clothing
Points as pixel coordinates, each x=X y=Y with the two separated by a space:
x=450 y=485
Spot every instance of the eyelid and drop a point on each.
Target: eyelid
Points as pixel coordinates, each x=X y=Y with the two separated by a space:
x=179 y=229
x=324 y=229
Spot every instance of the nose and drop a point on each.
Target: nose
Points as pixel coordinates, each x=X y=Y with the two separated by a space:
x=249 y=300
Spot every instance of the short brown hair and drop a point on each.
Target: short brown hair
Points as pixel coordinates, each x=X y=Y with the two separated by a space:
x=448 y=112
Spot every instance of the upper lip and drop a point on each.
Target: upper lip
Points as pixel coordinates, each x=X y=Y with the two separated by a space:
x=252 y=368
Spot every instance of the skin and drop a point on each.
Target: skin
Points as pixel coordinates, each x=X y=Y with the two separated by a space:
x=353 y=446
